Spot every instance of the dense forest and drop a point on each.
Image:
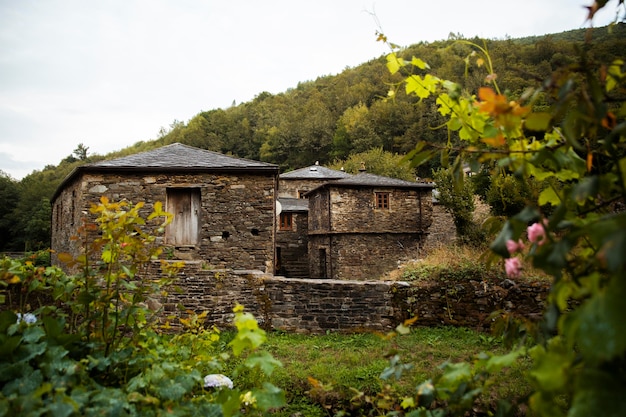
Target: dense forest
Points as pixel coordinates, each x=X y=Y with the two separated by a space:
x=328 y=120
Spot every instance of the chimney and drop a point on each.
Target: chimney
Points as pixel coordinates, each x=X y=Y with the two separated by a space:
x=362 y=169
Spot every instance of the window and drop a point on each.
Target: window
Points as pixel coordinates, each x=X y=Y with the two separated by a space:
x=382 y=200
x=184 y=204
x=301 y=193
x=286 y=221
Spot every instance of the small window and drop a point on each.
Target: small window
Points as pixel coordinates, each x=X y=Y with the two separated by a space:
x=286 y=221
x=382 y=200
x=301 y=193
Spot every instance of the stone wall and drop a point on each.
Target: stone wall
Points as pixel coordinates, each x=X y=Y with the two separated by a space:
x=442 y=231
x=317 y=306
x=471 y=303
x=294 y=305
x=360 y=256
x=353 y=210
x=236 y=218
x=295 y=188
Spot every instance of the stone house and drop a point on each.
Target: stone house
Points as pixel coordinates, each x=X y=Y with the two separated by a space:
x=224 y=207
x=365 y=225
x=292 y=211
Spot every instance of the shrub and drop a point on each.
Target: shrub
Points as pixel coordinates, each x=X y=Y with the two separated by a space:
x=100 y=349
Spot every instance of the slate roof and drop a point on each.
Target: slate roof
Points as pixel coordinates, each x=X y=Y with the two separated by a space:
x=314 y=172
x=174 y=158
x=371 y=180
x=293 y=204
x=179 y=156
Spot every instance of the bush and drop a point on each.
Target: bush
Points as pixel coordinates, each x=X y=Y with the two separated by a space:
x=100 y=348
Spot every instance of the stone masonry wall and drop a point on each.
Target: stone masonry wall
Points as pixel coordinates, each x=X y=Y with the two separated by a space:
x=294 y=188
x=471 y=303
x=236 y=217
x=294 y=305
x=361 y=256
x=353 y=210
x=317 y=306
x=442 y=230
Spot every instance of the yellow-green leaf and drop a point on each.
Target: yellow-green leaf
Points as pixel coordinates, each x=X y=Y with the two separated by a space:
x=394 y=63
x=538 y=122
x=549 y=196
x=416 y=62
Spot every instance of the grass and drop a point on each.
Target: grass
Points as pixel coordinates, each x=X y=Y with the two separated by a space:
x=324 y=372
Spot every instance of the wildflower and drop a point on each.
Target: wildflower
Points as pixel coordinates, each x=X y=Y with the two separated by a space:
x=513 y=267
x=217 y=380
x=28 y=318
x=537 y=233
x=513 y=246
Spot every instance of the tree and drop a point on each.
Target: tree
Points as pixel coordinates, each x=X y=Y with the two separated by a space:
x=9 y=197
x=81 y=152
x=457 y=196
x=376 y=161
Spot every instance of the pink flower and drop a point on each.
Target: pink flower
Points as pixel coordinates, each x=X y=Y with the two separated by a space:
x=513 y=267
x=537 y=233
x=124 y=244
x=513 y=246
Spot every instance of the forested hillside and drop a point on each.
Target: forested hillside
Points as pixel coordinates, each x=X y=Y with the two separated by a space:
x=325 y=120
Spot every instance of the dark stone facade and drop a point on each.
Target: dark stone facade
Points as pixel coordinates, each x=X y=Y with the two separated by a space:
x=236 y=216
x=228 y=204
x=317 y=306
x=351 y=238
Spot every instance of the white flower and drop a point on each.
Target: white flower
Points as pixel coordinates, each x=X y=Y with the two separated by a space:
x=217 y=380
x=28 y=318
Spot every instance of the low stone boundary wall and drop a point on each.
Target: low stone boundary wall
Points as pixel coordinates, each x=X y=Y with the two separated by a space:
x=320 y=305
x=289 y=304
x=471 y=303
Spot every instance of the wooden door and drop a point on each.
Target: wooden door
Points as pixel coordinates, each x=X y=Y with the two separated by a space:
x=184 y=204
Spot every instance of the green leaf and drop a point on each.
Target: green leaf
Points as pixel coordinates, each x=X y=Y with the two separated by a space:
x=598 y=393
x=454 y=373
x=598 y=324
x=264 y=361
x=549 y=196
x=499 y=243
x=586 y=188
x=421 y=87
x=538 y=122
x=8 y=345
x=7 y=318
x=269 y=397
x=107 y=256
x=614 y=249
x=496 y=362
x=551 y=366
x=32 y=334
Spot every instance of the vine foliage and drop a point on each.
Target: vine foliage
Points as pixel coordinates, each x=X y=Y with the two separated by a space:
x=573 y=227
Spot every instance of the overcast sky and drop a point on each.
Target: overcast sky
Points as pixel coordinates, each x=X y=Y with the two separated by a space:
x=113 y=72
